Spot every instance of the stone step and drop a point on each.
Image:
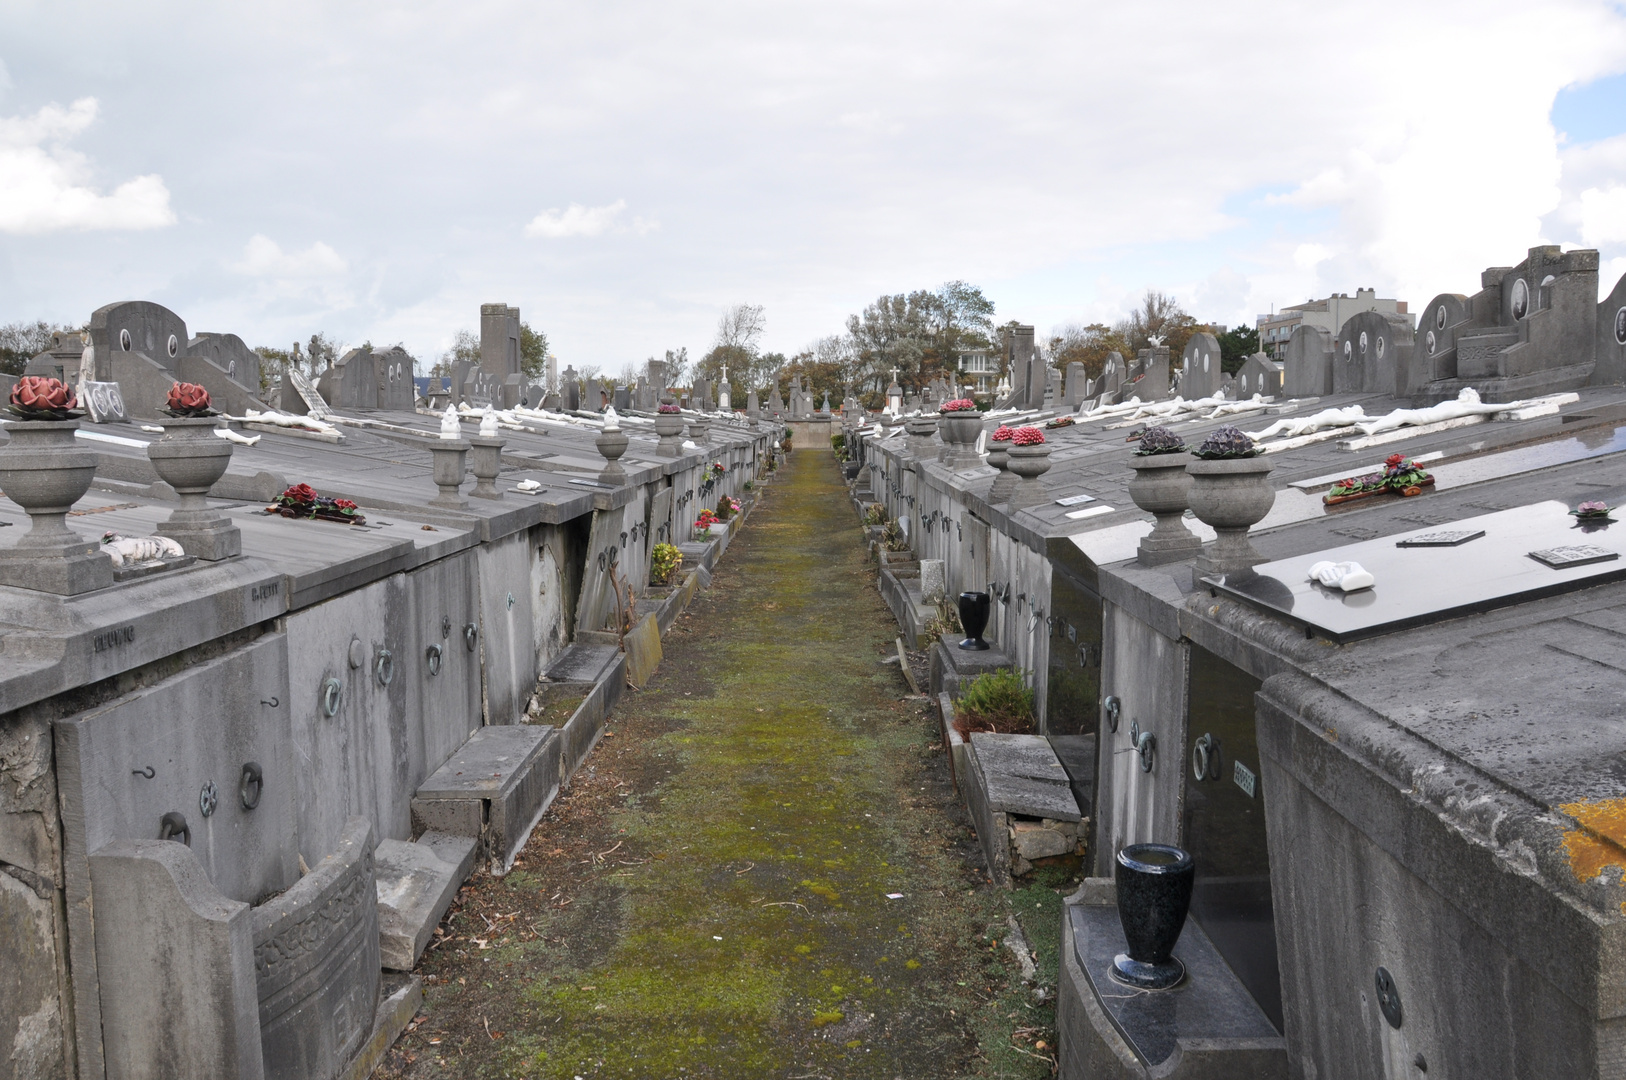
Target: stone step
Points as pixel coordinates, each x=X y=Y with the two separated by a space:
x=495 y=788
x=417 y=882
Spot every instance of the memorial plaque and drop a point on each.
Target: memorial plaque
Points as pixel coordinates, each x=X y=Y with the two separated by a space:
x=1562 y=558
x=1448 y=538
x=105 y=403
x=307 y=391
x=1075 y=500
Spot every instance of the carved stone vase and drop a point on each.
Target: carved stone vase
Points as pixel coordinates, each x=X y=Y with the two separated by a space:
x=700 y=433
x=669 y=426
x=974 y=608
x=485 y=461
x=1161 y=487
x=1231 y=495
x=964 y=428
x=190 y=458
x=1154 y=894
x=1029 y=463
x=45 y=471
x=450 y=456
x=1006 y=481
x=612 y=443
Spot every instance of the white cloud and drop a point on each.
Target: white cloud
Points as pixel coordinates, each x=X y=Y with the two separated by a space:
x=264 y=257
x=45 y=186
x=579 y=220
x=1603 y=215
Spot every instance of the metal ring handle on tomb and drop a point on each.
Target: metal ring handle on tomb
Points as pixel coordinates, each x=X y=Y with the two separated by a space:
x=1112 y=706
x=1205 y=758
x=253 y=777
x=433 y=655
x=470 y=634
x=173 y=824
x=445 y=626
x=208 y=798
x=332 y=692
x=1144 y=743
x=384 y=667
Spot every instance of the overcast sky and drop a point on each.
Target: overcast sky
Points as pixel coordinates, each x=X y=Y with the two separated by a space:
x=622 y=172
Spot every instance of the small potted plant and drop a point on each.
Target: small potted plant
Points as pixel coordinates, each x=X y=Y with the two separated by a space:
x=1230 y=493
x=709 y=522
x=664 y=559
x=959 y=424
x=1028 y=458
x=1161 y=487
x=44 y=470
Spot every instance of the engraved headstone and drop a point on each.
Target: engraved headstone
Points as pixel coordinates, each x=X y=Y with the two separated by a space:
x=104 y=403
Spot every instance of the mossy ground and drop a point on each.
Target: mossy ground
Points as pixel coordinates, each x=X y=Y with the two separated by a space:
x=710 y=897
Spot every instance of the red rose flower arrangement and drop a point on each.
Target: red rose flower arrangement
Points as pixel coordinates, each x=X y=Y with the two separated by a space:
x=302 y=501
x=40 y=397
x=958 y=405
x=189 y=400
x=1027 y=436
x=1001 y=434
x=668 y=409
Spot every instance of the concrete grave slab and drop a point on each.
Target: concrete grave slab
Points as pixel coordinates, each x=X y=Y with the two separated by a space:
x=1024 y=776
x=643 y=651
x=417 y=882
x=494 y=788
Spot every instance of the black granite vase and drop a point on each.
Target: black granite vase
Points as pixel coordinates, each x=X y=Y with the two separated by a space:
x=974 y=607
x=1154 y=893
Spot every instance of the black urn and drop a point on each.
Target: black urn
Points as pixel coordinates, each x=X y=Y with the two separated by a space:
x=974 y=608
x=1154 y=894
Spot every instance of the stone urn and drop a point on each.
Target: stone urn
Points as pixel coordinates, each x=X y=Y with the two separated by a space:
x=612 y=443
x=450 y=456
x=485 y=461
x=1029 y=463
x=669 y=426
x=45 y=471
x=1154 y=894
x=963 y=429
x=700 y=433
x=921 y=429
x=1160 y=487
x=1231 y=495
x=974 y=608
x=189 y=458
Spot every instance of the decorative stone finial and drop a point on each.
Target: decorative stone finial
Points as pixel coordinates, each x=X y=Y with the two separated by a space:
x=449 y=426
x=488 y=424
x=612 y=422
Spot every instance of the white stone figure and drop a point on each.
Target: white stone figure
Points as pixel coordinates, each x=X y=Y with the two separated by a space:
x=612 y=422
x=449 y=426
x=1306 y=425
x=134 y=549
x=527 y=486
x=488 y=424
x=87 y=366
x=1467 y=403
x=1348 y=576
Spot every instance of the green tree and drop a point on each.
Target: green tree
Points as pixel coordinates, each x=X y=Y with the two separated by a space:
x=1088 y=345
x=1236 y=345
x=920 y=333
x=738 y=347
x=533 y=351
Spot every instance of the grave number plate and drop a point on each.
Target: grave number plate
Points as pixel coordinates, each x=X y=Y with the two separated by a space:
x=1447 y=538
x=1244 y=777
x=1075 y=500
x=1562 y=558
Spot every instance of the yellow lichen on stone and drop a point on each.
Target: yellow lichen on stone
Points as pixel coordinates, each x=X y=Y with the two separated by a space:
x=1600 y=842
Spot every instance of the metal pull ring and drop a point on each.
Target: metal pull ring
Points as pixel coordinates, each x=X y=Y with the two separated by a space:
x=251 y=784
x=433 y=653
x=172 y=825
x=1112 y=706
x=1144 y=743
x=1205 y=758
x=470 y=634
x=332 y=691
x=384 y=667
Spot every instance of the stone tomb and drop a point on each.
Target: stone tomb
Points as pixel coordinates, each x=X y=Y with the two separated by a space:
x=1259 y=375
x=1307 y=364
x=1021 y=802
x=1372 y=354
x=1200 y=367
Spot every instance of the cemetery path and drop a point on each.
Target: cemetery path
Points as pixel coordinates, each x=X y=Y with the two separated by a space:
x=763 y=870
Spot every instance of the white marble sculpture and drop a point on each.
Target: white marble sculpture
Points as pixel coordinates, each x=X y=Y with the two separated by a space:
x=134 y=549
x=488 y=423
x=1467 y=403
x=450 y=428
x=612 y=420
x=287 y=420
x=1348 y=576
x=1292 y=427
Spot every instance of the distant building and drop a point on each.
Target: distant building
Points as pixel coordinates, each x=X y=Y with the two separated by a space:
x=980 y=369
x=1329 y=314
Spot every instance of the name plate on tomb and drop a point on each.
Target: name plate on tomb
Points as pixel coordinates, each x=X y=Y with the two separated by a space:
x=1448 y=538
x=1075 y=500
x=1562 y=558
